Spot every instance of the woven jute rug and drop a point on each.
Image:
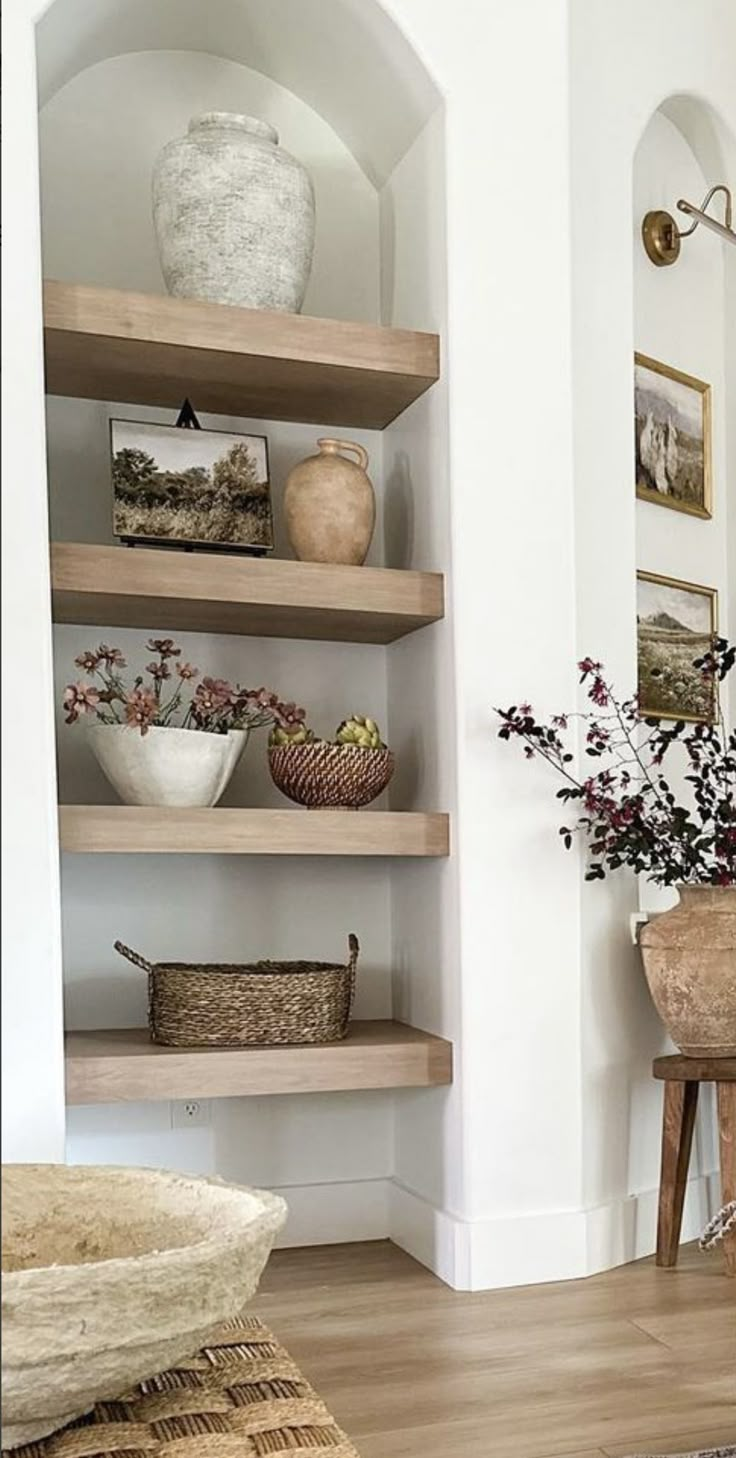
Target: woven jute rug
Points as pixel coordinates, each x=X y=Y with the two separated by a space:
x=242 y=1397
x=729 y=1452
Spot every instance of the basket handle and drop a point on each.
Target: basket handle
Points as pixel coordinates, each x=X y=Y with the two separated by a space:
x=134 y=957
x=354 y=946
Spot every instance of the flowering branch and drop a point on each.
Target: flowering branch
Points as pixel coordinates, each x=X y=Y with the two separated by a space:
x=628 y=812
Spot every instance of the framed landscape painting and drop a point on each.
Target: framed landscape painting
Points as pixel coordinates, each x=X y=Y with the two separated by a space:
x=190 y=487
x=676 y=623
x=673 y=438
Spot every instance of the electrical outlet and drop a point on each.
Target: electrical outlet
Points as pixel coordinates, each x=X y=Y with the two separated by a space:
x=190 y=1114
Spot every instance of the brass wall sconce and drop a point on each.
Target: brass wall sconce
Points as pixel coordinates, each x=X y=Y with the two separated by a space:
x=662 y=237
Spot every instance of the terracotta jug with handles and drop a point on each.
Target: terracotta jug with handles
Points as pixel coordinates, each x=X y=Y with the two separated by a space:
x=330 y=505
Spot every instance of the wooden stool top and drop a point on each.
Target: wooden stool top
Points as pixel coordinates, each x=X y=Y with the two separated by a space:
x=695 y=1070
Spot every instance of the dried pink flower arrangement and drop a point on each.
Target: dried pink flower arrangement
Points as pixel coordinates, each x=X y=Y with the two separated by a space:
x=213 y=706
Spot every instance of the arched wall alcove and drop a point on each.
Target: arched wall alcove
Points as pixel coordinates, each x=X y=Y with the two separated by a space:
x=116 y=81
x=648 y=122
x=681 y=318
x=348 y=60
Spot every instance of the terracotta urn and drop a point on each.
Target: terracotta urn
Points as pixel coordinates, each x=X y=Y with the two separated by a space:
x=330 y=505
x=689 y=958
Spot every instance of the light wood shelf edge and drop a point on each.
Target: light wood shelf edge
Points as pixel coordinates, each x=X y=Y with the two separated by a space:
x=100 y=829
x=123 y=1065
x=111 y=344
x=211 y=592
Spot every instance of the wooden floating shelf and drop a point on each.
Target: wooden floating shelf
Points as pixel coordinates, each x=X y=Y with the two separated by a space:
x=148 y=829
x=110 y=1067
x=209 y=593
x=146 y=349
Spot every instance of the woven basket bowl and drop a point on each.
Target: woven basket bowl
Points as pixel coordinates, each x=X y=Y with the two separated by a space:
x=112 y=1275
x=330 y=776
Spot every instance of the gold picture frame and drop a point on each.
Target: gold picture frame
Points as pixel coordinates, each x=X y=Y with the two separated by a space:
x=671 y=632
x=673 y=463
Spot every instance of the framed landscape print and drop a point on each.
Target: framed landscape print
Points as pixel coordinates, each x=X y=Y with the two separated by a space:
x=190 y=487
x=673 y=438
x=676 y=623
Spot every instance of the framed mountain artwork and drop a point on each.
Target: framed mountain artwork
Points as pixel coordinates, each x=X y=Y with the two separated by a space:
x=676 y=624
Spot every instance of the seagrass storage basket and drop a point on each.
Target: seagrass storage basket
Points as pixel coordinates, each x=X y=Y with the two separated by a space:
x=220 y=1005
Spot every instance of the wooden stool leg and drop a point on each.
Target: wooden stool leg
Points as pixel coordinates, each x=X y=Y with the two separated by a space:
x=680 y=1108
x=727 y=1134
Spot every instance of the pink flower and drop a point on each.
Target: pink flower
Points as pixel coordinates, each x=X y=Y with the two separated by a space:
x=289 y=716
x=560 y=721
x=165 y=647
x=159 y=671
x=111 y=657
x=187 y=670
x=211 y=696
x=89 y=661
x=264 y=698
x=140 y=709
x=80 y=698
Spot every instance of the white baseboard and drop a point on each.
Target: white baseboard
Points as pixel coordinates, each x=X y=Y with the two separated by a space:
x=329 y=1214
x=524 y=1250
x=433 y=1237
x=484 y=1255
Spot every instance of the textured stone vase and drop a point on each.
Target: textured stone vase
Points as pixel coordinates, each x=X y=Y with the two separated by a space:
x=330 y=505
x=184 y=767
x=234 y=215
x=112 y=1275
x=689 y=958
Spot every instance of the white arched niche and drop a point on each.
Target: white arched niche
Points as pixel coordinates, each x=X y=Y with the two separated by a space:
x=347 y=59
x=686 y=315
x=339 y=81
x=101 y=132
x=352 y=100
x=682 y=317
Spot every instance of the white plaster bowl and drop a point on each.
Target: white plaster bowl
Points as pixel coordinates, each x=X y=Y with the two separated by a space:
x=111 y=1275
x=166 y=766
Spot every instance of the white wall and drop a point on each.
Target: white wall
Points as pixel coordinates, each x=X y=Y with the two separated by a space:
x=32 y=1071
x=422 y=705
x=555 y=1164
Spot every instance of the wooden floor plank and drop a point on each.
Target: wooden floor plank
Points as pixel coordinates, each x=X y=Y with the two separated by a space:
x=627 y=1362
x=676 y=1443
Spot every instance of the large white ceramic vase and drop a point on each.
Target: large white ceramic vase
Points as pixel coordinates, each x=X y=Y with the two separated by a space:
x=177 y=767
x=234 y=215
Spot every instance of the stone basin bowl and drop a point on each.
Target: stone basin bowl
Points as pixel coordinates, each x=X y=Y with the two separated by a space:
x=111 y=1275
